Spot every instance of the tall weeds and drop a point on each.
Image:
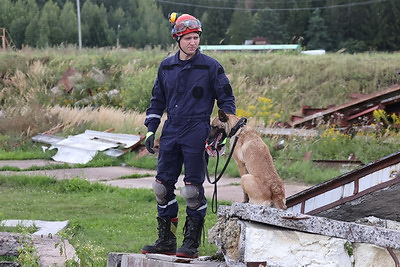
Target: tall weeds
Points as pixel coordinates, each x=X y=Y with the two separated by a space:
x=283 y=82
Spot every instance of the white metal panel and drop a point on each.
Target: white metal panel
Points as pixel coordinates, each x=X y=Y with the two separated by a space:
x=296 y=208
x=83 y=147
x=377 y=177
x=333 y=195
x=323 y=199
x=84 y=143
x=310 y=204
x=73 y=154
x=127 y=140
x=366 y=182
x=348 y=190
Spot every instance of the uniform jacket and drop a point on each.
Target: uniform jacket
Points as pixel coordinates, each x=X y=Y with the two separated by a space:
x=188 y=90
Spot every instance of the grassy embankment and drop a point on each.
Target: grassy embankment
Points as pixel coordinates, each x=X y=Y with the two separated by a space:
x=268 y=88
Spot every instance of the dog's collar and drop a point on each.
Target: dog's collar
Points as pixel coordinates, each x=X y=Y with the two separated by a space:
x=239 y=124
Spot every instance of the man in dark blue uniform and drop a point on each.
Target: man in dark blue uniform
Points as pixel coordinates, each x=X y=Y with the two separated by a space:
x=186 y=87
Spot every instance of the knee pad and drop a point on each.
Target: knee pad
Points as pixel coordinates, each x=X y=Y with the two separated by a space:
x=161 y=191
x=192 y=195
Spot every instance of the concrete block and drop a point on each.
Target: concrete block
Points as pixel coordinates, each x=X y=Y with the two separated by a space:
x=371 y=255
x=9 y=244
x=45 y=228
x=281 y=247
x=157 y=260
x=243 y=243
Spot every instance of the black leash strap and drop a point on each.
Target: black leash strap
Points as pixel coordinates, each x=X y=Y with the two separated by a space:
x=239 y=124
x=214 y=202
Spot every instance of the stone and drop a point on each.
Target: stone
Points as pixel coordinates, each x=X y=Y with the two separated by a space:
x=370 y=255
x=9 y=244
x=282 y=247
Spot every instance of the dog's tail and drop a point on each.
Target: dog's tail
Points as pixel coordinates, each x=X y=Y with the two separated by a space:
x=278 y=197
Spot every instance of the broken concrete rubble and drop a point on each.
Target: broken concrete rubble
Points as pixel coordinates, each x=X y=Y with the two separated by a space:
x=47 y=243
x=251 y=233
x=158 y=260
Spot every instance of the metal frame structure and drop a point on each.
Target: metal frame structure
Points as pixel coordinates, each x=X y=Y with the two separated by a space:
x=367 y=189
x=6 y=40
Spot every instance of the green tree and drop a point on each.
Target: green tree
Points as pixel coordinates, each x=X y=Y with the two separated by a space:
x=116 y=20
x=50 y=18
x=267 y=23
x=31 y=32
x=6 y=13
x=336 y=21
x=151 y=27
x=392 y=11
x=94 y=25
x=43 y=32
x=296 y=20
x=215 y=22
x=238 y=31
x=316 y=33
x=25 y=11
x=379 y=23
x=69 y=24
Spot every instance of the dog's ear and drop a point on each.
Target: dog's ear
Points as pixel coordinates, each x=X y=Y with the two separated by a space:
x=222 y=116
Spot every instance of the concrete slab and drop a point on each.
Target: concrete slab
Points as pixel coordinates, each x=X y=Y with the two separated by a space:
x=24 y=164
x=91 y=174
x=49 y=250
x=158 y=260
x=46 y=241
x=45 y=228
x=229 y=188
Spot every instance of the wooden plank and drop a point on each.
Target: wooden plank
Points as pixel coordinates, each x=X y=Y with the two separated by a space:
x=288 y=132
x=162 y=257
x=352 y=232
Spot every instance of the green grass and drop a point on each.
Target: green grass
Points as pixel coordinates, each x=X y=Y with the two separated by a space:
x=330 y=145
x=18 y=229
x=110 y=218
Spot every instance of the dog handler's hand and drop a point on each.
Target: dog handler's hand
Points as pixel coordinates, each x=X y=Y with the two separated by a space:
x=149 y=142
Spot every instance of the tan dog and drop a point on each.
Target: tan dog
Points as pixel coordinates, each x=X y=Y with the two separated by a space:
x=260 y=181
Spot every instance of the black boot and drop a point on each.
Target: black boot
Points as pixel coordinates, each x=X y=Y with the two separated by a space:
x=166 y=242
x=193 y=229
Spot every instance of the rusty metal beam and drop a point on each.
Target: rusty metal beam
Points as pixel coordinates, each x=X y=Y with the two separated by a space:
x=394 y=257
x=352 y=107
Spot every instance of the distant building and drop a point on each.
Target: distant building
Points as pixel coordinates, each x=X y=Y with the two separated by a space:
x=258 y=40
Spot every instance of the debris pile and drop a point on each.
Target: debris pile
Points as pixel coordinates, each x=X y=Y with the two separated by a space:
x=350 y=220
x=359 y=111
x=83 y=147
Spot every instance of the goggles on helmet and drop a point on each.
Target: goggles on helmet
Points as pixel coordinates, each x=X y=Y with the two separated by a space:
x=190 y=24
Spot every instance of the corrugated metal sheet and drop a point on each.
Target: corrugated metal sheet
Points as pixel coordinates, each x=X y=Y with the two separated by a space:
x=83 y=147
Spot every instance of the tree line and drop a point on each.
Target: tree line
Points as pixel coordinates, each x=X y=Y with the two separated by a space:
x=357 y=25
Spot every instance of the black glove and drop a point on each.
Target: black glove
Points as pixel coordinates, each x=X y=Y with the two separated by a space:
x=149 y=142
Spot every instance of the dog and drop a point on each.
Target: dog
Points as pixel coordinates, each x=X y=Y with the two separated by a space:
x=260 y=181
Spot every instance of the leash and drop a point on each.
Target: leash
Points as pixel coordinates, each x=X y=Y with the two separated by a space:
x=214 y=201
